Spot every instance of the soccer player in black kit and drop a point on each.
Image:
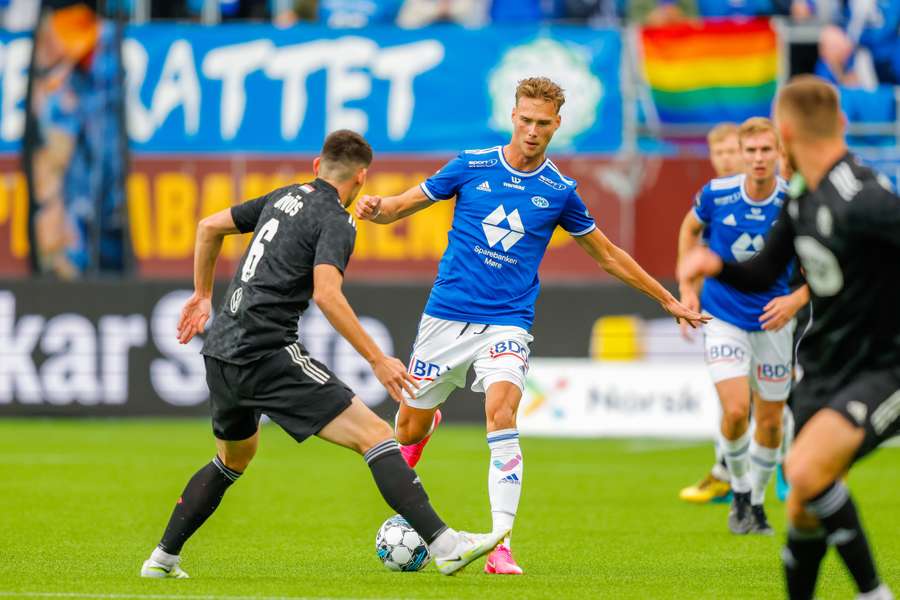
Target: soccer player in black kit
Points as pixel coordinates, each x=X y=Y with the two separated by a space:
x=302 y=240
x=843 y=223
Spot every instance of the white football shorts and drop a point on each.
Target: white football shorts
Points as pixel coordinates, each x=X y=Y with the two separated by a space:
x=765 y=357
x=444 y=351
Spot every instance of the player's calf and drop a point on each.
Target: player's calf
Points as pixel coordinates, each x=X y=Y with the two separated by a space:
x=197 y=502
x=836 y=510
x=409 y=425
x=403 y=491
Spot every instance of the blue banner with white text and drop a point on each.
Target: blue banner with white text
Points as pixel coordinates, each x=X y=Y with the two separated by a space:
x=257 y=88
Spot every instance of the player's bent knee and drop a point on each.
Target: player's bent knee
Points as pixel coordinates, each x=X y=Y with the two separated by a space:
x=805 y=483
x=735 y=414
x=797 y=515
x=501 y=417
x=377 y=434
x=236 y=462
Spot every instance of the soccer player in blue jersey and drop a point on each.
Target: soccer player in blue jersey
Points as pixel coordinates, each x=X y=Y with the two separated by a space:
x=749 y=344
x=509 y=199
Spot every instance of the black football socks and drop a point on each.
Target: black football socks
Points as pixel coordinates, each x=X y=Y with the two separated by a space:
x=802 y=557
x=198 y=501
x=836 y=510
x=401 y=489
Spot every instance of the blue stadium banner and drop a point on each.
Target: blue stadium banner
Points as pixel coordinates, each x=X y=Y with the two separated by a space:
x=257 y=88
x=262 y=89
x=15 y=56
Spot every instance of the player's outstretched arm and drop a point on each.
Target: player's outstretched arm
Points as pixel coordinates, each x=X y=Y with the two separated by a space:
x=755 y=275
x=210 y=233
x=387 y=210
x=329 y=297
x=618 y=263
x=688 y=239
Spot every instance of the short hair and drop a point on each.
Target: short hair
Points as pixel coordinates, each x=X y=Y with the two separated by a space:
x=721 y=132
x=541 y=88
x=814 y=106
x=756 y=125
x=343 y=153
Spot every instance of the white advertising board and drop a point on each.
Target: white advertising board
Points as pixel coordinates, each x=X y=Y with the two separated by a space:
x=581 y=397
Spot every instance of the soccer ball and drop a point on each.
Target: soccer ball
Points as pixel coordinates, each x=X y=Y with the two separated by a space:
x=400 y=547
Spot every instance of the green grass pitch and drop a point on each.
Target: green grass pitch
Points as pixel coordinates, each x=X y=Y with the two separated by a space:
x=82 y=503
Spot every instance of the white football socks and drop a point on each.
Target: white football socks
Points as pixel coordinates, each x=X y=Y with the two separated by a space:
x=737 y=457
x=718 y=470
x=762 y=464
x=163 y=558
x=787 y=437
x=504 y=477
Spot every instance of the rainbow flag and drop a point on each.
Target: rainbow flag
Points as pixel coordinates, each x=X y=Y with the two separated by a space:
x=710 y=71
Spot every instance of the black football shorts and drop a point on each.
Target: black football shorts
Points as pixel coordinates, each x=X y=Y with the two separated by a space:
x=293 y=389
x=870 y=401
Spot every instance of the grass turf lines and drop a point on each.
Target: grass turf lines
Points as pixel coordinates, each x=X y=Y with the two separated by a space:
x=82 y=503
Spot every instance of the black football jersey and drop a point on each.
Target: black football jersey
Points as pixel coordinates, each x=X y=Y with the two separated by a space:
x=846 y=235
x=294 y=229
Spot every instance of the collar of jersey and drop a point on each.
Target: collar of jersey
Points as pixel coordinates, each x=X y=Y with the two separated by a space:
x=765 y=202
x=323 y=185
x=516 y=171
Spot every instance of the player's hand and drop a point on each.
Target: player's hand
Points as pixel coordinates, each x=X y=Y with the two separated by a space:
x=368 y=207
x=193 y=318
x=683 y=313
x=779 y=312
x=698 y=262
x=690 y=301
x=392 y=374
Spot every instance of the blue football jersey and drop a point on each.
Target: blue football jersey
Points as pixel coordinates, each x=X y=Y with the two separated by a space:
x=502 y=223
x=737 y=227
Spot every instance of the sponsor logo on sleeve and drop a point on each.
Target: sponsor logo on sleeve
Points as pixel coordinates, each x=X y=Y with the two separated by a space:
x=554 y=184
x=482 y=164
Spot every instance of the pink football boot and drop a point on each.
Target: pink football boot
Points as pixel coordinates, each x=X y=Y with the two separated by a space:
x=501 y=562
x=413 y=452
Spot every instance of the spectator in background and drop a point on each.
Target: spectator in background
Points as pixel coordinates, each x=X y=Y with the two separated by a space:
x=864 y=51
x=341 y=14
x=660 y=12
x=666 y=12
x=595 y=12
x=836 y=52
x=419 y=13
x=74 y=163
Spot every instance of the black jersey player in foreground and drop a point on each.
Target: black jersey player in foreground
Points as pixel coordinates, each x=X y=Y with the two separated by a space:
x=302 y=241
x=843 y=223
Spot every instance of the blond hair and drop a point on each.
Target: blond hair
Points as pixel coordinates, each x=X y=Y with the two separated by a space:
x=721 y=132
x=541 y=88
x=756 y=125
x=814 y=106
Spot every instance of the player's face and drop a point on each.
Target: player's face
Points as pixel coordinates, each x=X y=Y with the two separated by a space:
x=534 y=123
x=759 y=153
x=725 y=156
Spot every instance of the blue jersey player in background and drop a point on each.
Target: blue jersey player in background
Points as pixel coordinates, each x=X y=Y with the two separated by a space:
x=509 y=200
x=749 y=344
